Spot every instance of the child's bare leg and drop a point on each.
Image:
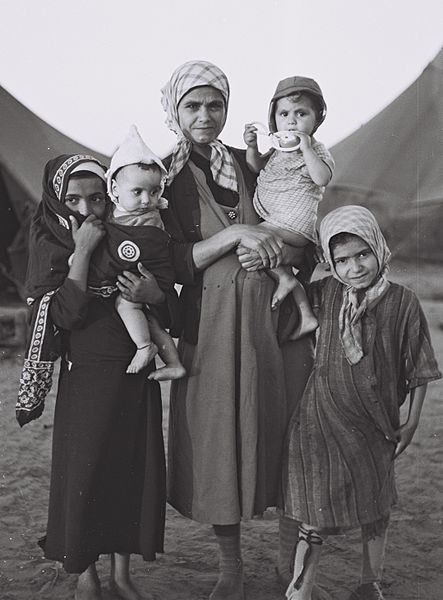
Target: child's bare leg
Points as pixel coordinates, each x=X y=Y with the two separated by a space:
x=88 y=585
x=371 y=568
x=307 y=320
x=167 y=350
x=307 y=557
x=120 y=583
x=137 y=326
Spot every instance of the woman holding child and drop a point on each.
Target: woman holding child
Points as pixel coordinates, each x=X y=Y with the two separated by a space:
x=107 y=491
x=229 y=415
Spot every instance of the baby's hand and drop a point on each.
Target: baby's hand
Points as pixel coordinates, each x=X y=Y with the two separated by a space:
x=250 y=135
x=305 y=140
x=88 y=235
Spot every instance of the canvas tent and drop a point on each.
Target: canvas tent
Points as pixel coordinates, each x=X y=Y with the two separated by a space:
x=26 y=144
x=394 y=165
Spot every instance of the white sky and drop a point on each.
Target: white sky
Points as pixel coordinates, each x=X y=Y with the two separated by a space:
x=92 y=67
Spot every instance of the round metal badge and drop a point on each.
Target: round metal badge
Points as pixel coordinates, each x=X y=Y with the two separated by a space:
x=128 y=251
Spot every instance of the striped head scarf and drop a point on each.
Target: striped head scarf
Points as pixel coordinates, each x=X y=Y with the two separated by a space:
x=361 y=222
x=197 y=73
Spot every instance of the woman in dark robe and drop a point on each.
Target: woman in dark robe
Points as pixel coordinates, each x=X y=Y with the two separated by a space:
x=107 y=493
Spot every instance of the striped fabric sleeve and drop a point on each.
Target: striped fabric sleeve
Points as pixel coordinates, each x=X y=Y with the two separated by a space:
x=420 y=362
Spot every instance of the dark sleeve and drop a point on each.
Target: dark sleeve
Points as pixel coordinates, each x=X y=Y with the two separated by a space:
x=181 y=249
x=69 y=306
x=182 y=222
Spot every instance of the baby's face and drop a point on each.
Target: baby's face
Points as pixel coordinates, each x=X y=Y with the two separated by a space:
x=137 y=189
x=295 y=115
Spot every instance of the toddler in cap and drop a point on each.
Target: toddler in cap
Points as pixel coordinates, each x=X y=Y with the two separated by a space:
x=135 y=181
x=291 y=179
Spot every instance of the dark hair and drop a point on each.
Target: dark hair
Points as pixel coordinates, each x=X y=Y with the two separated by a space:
x=342 y=238
x=141 y=165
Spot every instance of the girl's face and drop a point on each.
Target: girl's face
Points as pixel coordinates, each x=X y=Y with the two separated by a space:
x=86 y=196
x=355 y=263
x=201 y=115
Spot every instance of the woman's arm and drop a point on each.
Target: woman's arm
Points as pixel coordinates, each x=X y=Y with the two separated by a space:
x=251 y=260
x=405 y=432
x=267 y=246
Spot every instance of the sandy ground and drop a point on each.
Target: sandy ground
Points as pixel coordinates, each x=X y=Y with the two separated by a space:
x=188 y=569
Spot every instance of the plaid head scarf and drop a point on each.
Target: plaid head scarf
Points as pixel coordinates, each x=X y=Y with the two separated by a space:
x=197 y=73
x=361 y=222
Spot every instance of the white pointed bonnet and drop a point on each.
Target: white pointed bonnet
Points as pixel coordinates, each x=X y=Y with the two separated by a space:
x=131 y=151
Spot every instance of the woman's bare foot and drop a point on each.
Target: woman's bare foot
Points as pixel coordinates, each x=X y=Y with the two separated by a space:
x=228 y=588
x=168 y=372
x=285 y=286
x=142 y=358
x=88 y=585
x=127 y=591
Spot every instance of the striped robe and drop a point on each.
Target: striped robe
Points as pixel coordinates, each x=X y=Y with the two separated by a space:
x=339 y=472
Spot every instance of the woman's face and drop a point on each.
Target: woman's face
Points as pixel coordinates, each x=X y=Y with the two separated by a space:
x=355 y=263
x=201 y=115
x=86 y=196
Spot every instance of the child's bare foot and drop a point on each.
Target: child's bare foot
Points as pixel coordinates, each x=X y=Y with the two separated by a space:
x=285 y=286
x=142 y=358
x=307 y=324
x=228 y=588
x=168 y=372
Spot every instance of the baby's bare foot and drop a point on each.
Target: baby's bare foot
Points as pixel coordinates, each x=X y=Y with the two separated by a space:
x=168 y=372
x=284 y=287
x=307 y=325
x=142 y=358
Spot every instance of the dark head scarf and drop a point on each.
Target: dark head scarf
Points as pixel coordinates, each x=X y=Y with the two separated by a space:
x=51 y=243
x=50 y=246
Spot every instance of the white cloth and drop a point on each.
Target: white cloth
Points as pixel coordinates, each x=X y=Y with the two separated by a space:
x=131 y=151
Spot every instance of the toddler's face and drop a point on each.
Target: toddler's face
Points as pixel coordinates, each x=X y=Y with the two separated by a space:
x=295 y=115
x=355 y=263
x=86 y=196
x=136 y=189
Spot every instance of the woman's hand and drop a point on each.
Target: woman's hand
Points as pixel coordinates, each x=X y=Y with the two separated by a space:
x=88 y=235
x=144 y=289
x=258 y=241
